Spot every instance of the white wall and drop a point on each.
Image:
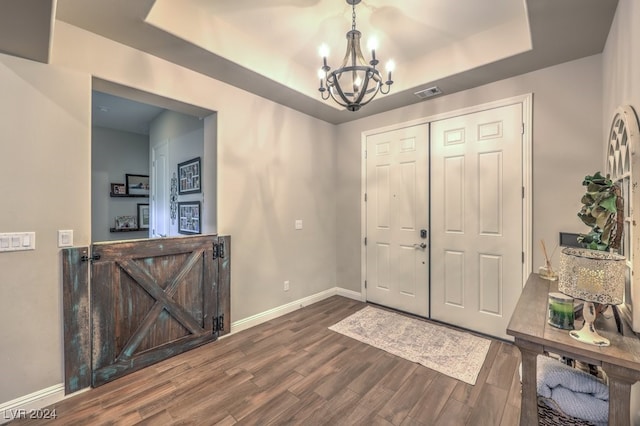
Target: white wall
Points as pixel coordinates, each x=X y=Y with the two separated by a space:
x=621 y=86
x=115 y=153
x=567 y=108
x=45 y=122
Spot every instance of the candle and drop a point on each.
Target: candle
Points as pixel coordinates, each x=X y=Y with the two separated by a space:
x=561 y=311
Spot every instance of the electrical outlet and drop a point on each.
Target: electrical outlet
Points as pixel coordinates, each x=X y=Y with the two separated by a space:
x=286 y=286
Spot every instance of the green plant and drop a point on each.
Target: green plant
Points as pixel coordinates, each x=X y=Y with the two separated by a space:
x=601 y=206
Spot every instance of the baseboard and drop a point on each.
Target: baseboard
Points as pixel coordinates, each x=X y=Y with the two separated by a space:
x=29 y=405
x=350 y=294
x=276 y=312
x=25 y=405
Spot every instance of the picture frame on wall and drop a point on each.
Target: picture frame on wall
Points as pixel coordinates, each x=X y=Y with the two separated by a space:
x=126 y=223
x=143 y=216
x=137 y=185
x=189 y=177
x=118 y=189
x=189 y=217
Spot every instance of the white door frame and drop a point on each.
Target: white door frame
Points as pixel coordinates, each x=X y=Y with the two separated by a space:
x=527 y=175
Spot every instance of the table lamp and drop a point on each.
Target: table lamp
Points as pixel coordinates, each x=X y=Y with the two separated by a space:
x=594 y=277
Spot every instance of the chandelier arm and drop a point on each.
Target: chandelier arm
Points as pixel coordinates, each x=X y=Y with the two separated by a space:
x=363 y=88
x=339 y=101
x=338 y=89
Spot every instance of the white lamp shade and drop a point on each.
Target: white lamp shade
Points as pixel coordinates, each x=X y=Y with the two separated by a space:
x=592 y=275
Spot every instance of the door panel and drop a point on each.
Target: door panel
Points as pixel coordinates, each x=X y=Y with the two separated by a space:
x=151 y=299
x=159 y=191
x=476 y=221
x=397 y=194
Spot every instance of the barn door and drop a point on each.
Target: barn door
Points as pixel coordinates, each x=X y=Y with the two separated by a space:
x=150 y=300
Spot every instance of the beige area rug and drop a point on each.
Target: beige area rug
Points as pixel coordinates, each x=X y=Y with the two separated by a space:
x=455 y=353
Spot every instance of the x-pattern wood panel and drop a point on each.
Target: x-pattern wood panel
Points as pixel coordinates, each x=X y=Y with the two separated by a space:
x=164 y=300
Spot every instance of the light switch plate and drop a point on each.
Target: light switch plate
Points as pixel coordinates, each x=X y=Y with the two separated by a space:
x=18 y=241
x=298 y=223
x=65 y=238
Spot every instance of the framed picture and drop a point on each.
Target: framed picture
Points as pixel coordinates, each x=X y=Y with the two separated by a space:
x=126 y=222
x=189 y=181
x=189 y=217
x=138 y=185
x=118 y=189
x=143 y=216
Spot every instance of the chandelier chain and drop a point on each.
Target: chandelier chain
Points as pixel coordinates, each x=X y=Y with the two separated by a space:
x=353 y=17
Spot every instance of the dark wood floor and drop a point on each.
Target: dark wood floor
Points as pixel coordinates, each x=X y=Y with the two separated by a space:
x=293 y=370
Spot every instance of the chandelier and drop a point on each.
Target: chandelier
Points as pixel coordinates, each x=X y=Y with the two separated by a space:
x=355 y=83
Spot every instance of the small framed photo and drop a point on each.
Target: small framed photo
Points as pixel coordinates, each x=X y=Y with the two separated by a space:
x=138 y=185
x=126 y=222
x=189 y=181
x=118 y=189
x=143 y=216
x=189 y=217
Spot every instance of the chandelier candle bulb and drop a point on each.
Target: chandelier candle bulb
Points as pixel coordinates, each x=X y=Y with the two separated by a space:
x=372 y=44
x=391 y=66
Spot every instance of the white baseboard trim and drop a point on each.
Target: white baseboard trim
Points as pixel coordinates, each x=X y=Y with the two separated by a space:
x=23 y=406
x=356 y=295
x=276 y=312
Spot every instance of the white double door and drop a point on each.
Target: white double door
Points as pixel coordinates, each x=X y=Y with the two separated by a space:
x=397 y=210
x=466 y=192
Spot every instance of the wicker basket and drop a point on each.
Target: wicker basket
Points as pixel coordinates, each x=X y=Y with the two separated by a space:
x=549 y=414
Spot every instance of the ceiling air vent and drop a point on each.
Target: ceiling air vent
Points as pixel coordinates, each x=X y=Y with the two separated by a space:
x=427 y=93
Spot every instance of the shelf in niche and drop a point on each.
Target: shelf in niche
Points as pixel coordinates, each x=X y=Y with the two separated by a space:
x=127 y=230
x=127 y=195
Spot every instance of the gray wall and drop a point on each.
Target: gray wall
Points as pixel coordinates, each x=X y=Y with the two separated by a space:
x=115 y=153
x=185 y=136
x=275 y=165
x=567 y=129
x=45 y=185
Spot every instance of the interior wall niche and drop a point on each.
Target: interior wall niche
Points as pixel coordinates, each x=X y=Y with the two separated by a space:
x=139 y=133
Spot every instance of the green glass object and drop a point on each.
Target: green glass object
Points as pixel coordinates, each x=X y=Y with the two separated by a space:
x=561 y=311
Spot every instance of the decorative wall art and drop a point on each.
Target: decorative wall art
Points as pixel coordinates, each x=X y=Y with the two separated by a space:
x=189 y=177
x=126 y=222
x=118 y=189
x=138 y=185
x=143 y=216
x=173 y=199
x=189 y=217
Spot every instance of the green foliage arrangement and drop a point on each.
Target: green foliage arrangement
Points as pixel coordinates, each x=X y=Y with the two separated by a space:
x=601 y=204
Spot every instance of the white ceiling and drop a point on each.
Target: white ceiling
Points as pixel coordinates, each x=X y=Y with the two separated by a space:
x=270 y=47
x=114 y=112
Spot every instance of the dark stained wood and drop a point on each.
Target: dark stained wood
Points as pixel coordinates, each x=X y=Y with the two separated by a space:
x=293 y=370
x=533 y=336
x=77 y=331
x=152 y=299
x=224 y=283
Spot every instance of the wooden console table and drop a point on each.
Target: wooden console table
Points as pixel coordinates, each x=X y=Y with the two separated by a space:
x=533 y=336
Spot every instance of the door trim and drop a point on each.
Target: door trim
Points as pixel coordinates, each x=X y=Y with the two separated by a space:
x=527 y=174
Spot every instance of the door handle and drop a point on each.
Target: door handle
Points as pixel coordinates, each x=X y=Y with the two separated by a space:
x=420 y=246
